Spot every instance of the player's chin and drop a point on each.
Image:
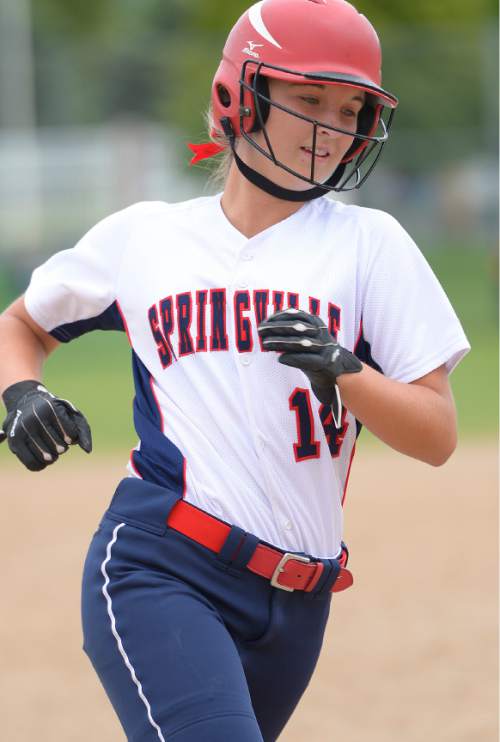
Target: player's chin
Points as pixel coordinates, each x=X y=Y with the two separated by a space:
x=301 y=164
x=323 y=170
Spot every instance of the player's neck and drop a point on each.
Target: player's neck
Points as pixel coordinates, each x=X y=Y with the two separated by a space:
x=250 y=209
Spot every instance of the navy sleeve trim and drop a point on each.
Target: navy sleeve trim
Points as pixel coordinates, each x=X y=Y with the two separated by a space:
x=363 y=351
x=110 y=319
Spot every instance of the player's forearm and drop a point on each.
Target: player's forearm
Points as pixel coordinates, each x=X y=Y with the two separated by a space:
x=410 y=418
x=22 y=354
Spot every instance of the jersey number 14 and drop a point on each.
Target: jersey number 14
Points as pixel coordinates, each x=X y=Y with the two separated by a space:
x=307 y=447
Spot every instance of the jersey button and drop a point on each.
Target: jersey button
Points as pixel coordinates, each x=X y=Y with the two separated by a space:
x=247 y=256
x=245 y=361
x=243 y=285
x=287 y=525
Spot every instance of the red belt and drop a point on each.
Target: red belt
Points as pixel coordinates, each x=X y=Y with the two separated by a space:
x=286 y=571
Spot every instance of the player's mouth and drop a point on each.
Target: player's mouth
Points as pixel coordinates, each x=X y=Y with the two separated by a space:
x=320 y=154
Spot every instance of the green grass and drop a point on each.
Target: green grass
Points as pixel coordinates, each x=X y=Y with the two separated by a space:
x=95 y=371
x=470 y=279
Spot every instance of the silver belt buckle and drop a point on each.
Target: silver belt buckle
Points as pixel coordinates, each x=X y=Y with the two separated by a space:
x=281 y=568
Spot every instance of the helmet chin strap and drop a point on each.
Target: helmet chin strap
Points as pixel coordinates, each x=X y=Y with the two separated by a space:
x=274 y=189
x=259 y=180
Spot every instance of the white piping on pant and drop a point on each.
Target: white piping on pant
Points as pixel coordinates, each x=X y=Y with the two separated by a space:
x=117 y=636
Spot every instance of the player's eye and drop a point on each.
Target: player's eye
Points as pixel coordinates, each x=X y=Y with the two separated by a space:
x=309 y=99
x=349 y=112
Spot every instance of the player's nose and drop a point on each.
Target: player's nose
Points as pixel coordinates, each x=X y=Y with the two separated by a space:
x=330 y=125
x=332 y=121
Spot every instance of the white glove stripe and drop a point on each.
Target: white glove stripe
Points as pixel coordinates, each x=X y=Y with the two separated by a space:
x=304 y=342
x=59 y=449
x=66 y=437
x=46 y=456
x=298 y=326
x=337 y=420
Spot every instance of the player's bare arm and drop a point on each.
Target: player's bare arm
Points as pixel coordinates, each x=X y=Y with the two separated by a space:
x=39 y=426
x=417 y=419
x=24 y=343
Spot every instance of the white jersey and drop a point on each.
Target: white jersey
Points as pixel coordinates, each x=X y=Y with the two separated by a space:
x=219 y=420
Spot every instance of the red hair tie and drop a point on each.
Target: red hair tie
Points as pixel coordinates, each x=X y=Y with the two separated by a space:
x=202 y=151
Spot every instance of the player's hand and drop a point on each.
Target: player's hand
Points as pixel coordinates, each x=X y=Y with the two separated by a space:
x=305 y=343
x=40 y=427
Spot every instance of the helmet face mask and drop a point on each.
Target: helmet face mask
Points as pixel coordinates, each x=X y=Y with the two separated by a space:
x=327 y=42
x=374 y=122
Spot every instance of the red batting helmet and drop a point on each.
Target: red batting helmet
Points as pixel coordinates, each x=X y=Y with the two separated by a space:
x=323 y=41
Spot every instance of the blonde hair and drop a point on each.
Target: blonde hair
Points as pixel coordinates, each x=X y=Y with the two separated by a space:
x=219 y=167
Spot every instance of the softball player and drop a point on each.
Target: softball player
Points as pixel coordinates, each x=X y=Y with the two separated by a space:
x=267 y=324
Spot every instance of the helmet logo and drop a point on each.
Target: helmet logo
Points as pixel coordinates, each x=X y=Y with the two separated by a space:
x=250 y=49
x=255 y=18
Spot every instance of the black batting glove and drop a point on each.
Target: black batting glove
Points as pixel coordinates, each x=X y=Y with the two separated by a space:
x=305 y=343
x=39 y=427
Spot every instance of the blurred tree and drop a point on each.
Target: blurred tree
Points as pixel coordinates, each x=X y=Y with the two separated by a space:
x=77 y=18
x=101 y=58
x=447 y=13
x=97 y=59
x=217 y=14
x=100 y=20
x=431 y=59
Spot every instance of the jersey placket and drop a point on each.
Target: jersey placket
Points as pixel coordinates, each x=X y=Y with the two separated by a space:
x=246 y=278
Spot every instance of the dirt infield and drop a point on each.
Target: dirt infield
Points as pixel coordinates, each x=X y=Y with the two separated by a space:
x=411 y=650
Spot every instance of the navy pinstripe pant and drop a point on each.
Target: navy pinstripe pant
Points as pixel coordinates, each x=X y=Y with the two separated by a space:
x=189 y=646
